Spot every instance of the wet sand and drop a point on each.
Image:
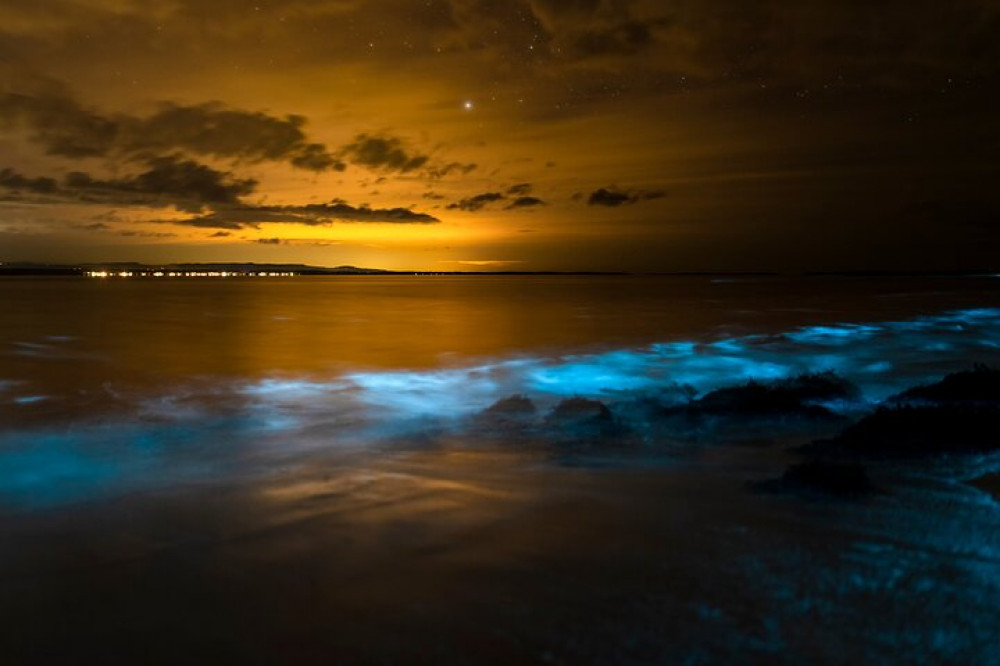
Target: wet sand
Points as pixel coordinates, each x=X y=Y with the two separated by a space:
x=459 y=555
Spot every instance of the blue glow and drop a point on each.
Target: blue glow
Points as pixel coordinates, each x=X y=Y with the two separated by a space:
x=30 y=399
x=674 y=349
x=729 y=346
x=51 y=470
x=832 y=335
x=881 y=357
x=182 y=428
x=587 y=379
x=441 y=392
x=41 y=468
x=292 y=389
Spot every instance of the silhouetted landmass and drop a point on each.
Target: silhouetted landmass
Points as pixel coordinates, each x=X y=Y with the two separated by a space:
x=43 y=269
x=140 y=270
x=819 y=477
x=28 y=270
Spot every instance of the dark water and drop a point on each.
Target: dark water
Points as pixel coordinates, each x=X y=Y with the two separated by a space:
x=286 y=471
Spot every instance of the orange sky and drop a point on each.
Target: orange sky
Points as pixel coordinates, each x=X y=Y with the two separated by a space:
x=526 y=135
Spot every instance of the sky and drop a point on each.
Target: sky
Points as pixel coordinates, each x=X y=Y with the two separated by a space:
x=634 y=135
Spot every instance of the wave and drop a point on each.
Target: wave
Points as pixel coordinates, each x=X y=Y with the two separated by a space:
x=208 y=428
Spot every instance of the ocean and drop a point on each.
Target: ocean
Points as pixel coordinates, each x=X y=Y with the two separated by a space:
x=306 y=469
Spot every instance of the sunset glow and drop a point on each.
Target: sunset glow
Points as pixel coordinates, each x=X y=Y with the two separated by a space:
x=590 y=135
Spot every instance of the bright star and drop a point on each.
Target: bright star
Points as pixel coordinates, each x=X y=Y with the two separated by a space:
x=468 y=105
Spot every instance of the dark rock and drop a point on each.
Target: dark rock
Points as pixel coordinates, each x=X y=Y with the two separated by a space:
x=753 y=399
x=584 y=423
x=580 y=411
x=793 y=397
x=979 y=385
x=515 y=407
x=512 y=417
x=919 y=431
x=818 y=386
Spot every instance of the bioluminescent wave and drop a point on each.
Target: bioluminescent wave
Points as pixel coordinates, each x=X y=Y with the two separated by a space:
x=881 y=358
x=219 y=427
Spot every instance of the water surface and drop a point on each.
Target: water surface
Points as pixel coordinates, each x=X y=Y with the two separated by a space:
x=292 y=471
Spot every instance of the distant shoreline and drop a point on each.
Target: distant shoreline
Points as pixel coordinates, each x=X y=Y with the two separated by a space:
x=129 y=270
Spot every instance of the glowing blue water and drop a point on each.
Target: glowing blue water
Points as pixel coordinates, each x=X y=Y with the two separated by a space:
x=166 y=436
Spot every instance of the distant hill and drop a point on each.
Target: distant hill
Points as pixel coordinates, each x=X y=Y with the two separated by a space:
x=30 y=268
x=26 y=268
x=135 y=269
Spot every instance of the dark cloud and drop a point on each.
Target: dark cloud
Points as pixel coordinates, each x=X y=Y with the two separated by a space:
x=433 y=196
x=220 y=234
x=58 y=122
x=605 y=197
x=314 y=157
x=239 y=217
x=480 y=201
x=314 y=242
x=520 y=189
x=63 y=126
x=385 y=153
x=213 y=129
x=193 y=187
x=477 y=202
x=525 y=202
x=437 y=172
x=146 y=234
x=170 y=180
x=612 y=198
x=15 y=181
x=218 y=221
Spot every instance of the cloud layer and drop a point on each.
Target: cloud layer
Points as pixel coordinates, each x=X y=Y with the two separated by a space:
x=613 y=198
x=62 y=126
x=240 y=217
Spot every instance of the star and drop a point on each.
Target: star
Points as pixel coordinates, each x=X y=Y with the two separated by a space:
x=468 y=105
